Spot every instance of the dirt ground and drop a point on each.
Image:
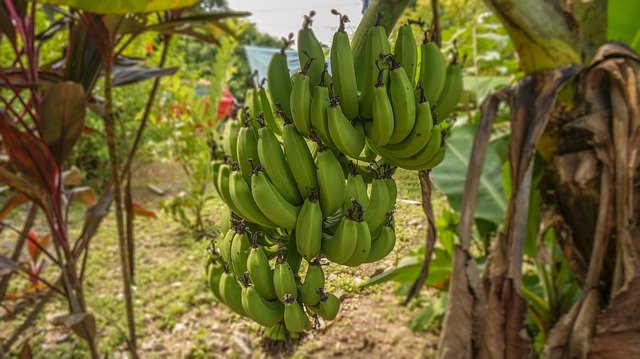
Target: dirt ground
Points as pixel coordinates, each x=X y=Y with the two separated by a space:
x=178 y=317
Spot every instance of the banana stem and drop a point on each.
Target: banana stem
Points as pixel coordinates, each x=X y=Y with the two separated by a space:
x=308 y=21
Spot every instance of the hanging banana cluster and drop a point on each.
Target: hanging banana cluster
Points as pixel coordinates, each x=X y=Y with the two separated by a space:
x=308 y=171
x=402 y=98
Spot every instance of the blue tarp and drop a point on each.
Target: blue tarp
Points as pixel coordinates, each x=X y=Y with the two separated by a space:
x=259 y=57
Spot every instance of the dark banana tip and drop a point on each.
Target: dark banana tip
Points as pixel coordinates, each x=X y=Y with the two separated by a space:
x=314 y=195
x=288 y=298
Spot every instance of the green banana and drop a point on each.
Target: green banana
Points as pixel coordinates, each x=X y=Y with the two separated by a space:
x=215 y=169
x=230 y=138
x=383 y=119
x=423 y=156
x=272 y=204
x=278 y=78
x=284 y=281
x=300 y=101
x=271 y=251
x=402 y=101
x=269 y=118
x=318 y=113
x=344 y=76
x=252 y=100
x=260 y=272
x=378 y=204
x=243 y=200
x=263 y=312
x=347 y=138
x=231 y=293
x=310 y=48
x=340 y=247
x=295 y=318
x=432 y=70
x=225 y=219
x=363 y=238
x=309 y=227
x=434 y=161
x=239 y=251
x=376 y=47
x=419 y=135
x=451 y=91
x=328 y=307
x=330 y=181
x=282 y=332
x=299 y=158
x=292 y=256
x=406 y=52
x=383 y=244
x=356 y=188
x=248 y=157
x=276 y=332
x=368 y=154
x=275 y=165
x=214 y=281
x=225 y=245
x=224 y=175
x=313 y=284
x=392 y=187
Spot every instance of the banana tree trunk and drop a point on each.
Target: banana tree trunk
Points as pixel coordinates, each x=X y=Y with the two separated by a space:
x=579 y=109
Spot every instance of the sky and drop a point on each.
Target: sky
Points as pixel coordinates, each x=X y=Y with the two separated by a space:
x=280 y=17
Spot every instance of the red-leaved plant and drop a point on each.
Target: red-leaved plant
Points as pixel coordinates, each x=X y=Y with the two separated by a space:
x=41 y=119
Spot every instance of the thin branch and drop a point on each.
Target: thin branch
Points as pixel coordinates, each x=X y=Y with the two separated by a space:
x=116 y=180
x=435 y=24
x=430 y=237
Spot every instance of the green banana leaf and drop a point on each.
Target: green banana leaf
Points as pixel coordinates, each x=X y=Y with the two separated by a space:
x=408 y=270
x=482 y=85
x=450 y=175
x=623 y=23
x=121 y=6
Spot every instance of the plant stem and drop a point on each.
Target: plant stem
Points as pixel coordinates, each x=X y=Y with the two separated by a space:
x=116 y=180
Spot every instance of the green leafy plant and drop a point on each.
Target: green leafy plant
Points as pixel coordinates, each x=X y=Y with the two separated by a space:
x=42 y=119
x=188 y=121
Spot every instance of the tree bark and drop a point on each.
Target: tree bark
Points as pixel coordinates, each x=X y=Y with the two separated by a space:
x=592 y=135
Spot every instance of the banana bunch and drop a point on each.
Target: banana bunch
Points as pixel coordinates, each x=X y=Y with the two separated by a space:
x=388 y=108
x=257 y=275
x=307 y=170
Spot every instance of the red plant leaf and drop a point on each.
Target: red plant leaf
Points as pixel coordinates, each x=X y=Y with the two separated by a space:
x=11 y=203
x=33 y=249
x=32 y=236
x=31 y=157
x=138 y=210
x=63 y=111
